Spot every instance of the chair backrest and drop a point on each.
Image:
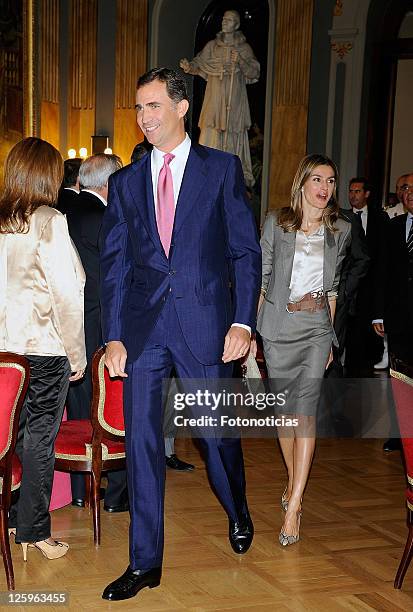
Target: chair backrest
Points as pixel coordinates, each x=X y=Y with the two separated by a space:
x=402 y=386
x=107 y=401
x=14 y=380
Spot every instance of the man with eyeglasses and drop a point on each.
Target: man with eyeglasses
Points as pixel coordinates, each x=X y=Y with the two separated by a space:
x=394 y=300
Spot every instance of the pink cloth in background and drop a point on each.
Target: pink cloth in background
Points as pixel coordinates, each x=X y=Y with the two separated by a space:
x=61 y=491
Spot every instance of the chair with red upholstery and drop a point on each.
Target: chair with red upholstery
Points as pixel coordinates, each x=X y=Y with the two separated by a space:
x=14 y=380
x=96 y=445
x=402 y=386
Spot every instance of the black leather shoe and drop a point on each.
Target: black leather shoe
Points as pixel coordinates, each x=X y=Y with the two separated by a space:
x=241 y=534
x=78 y=502
x=123 y=507
x=174 y=463
x=131 y=582
x=391 y=445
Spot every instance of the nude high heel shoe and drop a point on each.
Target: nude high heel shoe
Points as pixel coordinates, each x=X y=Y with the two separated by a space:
x=288 y=540
x=284 y=501
x=48 y=550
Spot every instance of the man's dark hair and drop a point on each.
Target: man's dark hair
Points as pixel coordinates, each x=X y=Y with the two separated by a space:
x=175 y=84
x=71 y=171
x=361 y=179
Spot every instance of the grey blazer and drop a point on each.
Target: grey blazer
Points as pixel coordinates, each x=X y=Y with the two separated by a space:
x=277 y=263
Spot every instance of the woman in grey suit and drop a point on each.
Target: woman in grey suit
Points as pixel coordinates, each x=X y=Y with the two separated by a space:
x=303 y=248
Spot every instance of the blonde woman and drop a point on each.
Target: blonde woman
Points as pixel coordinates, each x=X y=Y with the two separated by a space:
x=41 y=317
x=303 y=248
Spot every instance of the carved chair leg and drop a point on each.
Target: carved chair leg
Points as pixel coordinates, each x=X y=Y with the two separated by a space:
x=88 y=489
x=5 y=548
x=405 y=562
x=95 y=497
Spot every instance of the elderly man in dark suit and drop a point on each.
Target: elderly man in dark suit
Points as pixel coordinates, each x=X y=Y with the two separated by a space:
x=84 y=219
x=178 y=228
x=393 y=312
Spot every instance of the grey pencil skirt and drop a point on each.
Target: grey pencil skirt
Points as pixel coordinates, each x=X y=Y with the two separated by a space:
x=296 y=360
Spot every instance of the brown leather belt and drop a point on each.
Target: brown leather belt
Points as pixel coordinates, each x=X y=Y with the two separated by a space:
x=312 y=302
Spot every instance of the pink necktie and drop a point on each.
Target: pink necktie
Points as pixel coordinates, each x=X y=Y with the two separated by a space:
x=165 y=211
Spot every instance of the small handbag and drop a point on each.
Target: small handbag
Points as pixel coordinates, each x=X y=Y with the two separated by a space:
x=251 y=375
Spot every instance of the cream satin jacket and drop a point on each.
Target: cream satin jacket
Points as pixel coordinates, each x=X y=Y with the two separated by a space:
x=41 y=291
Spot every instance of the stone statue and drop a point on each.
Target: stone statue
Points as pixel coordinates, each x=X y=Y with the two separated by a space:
x=228 y=65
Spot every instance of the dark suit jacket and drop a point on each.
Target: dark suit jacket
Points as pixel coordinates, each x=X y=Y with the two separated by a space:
x=85 y=222
x=67 y=201
x=394 y=286
x=355 y=268
x=214 y=233
x=377 y=226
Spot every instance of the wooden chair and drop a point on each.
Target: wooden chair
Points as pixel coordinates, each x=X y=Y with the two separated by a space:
x=96 y=445
x=14 y=380
x=402 y=386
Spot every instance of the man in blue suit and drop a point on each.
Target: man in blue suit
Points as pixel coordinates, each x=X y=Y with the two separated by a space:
x=168 y=302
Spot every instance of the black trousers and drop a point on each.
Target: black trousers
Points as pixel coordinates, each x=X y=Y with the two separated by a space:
x=39 y=423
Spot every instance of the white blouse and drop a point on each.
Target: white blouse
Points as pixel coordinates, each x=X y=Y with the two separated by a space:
x=308 y=264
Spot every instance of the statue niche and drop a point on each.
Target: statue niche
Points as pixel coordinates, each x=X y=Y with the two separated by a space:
x=228 y=65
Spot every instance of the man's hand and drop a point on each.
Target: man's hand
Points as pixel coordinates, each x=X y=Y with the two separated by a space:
x=236 y=345
x=115 y=358
x=330 y=358
x=76 y=375
x=379 y=329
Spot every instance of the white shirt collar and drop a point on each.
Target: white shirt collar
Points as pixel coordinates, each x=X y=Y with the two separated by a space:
x=102 y=199
x=363 y=210
x=180 y=152
x=71 y=189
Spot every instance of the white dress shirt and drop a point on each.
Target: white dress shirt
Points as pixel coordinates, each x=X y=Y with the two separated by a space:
x=308 y=264
x=409 y=222
x=364 y=215
x=177 y=166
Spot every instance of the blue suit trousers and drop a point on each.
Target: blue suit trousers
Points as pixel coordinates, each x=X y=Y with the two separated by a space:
x=143 y=405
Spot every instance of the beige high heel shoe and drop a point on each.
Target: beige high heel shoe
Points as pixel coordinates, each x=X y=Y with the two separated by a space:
x=284 y=501
x=288 y=540
x=48 y=550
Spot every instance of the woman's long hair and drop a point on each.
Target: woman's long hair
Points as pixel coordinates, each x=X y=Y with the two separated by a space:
x=33 y=172
x=290 y=219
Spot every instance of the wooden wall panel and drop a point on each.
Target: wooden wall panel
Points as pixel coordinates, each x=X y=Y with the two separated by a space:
x=131 y=43
x=290 y=106
x=82 y=73
x=49 y=58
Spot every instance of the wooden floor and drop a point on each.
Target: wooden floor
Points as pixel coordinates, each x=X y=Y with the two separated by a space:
x=353 y=534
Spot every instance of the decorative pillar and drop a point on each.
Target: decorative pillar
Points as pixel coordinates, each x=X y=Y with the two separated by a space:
x=291 y=94
x=82 y=73
x=49 y=61
x=346 y=84
x=131 y=44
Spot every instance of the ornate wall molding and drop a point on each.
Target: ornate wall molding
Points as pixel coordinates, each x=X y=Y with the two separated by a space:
x=342 y=48
x=338 y=8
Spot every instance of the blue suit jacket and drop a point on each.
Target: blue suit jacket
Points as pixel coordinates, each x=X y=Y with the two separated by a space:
x=213 y=272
